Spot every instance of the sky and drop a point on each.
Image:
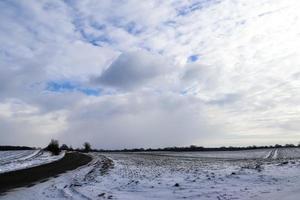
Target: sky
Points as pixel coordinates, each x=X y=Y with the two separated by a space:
x=153 y=73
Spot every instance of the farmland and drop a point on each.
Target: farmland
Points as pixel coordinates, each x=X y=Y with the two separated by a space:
x=249 y=174
x=15 y=160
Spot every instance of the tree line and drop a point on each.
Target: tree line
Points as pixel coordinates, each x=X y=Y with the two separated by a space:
x=14 y=148
x=55 y=148
x=200 y=148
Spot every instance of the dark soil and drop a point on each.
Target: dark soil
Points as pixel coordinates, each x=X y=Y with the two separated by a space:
x=28 y=177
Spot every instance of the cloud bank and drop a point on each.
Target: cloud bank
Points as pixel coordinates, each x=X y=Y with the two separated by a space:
x=149 y=74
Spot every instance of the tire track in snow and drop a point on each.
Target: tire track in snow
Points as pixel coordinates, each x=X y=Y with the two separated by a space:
x=72 y=194
x=273 y=154
x=101 y=165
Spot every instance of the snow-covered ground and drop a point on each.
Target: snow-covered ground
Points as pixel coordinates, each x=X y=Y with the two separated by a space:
x=14 y=160
x=246 y=154
x=258 y=174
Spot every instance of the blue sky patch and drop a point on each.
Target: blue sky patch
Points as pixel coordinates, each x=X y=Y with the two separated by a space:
x=66 y=86
x=193 y=58
x=199 y=5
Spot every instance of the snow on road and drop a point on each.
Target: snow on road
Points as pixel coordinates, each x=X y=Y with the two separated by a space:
x=257 y=174
x=14 y=160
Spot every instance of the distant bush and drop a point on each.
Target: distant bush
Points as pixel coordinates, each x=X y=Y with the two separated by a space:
x=87 y=147
x=53 y=147
x=64 y=147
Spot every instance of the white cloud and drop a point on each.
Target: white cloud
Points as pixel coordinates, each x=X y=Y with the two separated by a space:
x=79 y=60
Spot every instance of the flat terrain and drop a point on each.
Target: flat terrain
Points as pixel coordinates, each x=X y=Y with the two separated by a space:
x=25 y=177
x=245 y=175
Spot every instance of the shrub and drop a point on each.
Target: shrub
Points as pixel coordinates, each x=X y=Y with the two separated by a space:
x=53 y=147
x=64 y=147
x=71 y=148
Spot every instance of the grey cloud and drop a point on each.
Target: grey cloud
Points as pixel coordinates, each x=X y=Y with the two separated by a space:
x=132 y=70
x=140 y=120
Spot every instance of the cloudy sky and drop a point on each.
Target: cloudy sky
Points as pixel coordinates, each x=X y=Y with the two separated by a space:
x=153 y=73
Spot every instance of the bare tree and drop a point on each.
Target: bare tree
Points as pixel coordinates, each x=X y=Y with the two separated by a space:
x=87 y=147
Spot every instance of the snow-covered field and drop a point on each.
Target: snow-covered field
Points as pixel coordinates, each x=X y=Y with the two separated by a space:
x=246 y=154
x=258 y=174
x=14 y=160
